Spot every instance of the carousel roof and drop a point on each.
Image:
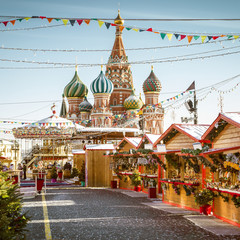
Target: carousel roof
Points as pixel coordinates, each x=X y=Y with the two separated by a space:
x=51 y=127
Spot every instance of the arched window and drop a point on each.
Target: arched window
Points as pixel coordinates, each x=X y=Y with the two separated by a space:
x=115 y=86
x=114 y=102
x=124 y=86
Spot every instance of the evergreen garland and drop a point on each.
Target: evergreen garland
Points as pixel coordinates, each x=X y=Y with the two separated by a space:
x=160 y=162
x=236 y=201
x=216 y=131
x=195 y=166
x=187 y=190
x=225 y=198
x=176 y=189
x=172 y=159
x=170 y=136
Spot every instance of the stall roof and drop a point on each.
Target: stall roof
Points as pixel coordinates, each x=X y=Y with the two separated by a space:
x=134 y=141
x=78 y=152
x=220 y=150
x=95 y=129
x=152 y=137
x=99 y=147
x=231 y=118
x=194 y=131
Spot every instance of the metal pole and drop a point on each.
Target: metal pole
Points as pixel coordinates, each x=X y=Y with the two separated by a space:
x=195 y=107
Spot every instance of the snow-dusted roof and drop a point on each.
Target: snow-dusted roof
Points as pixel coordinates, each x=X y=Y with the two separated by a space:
x=134 y=140
x=235 y=116
x=103 y=129
x=78 y=151
x=52 y=121
x=5 y=142
x=153 y=137
x=100 y=147
x=195 y=131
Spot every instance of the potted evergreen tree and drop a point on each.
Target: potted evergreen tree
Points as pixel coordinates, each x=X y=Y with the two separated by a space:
x=204 y=198
x=54 y=174
x=136 y=181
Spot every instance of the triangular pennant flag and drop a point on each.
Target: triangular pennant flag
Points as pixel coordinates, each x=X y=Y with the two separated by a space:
x=49 y=19
x=27 y=18
x=5 y=23
x=229 y=36
x=182 y=37
x=121 y=28
x=135 y=29
x=87 y=21
x=203 y=38
x=42 y=17
x=107 y=25
x=128 y=28
x=169 y=35
x=72 y=22
x=156 y=32
x=223 y=35
x=141 y=30
x=57 y=19
x=196 y=37
x=216 y=37
x=189 y=38
x=162 y=35
x=20 y=19
x=176 y=35
x=236 y=37
x=13 y=22
x=149 y=30
x=100 y=23
x=65 y=21
x=113 y=24
x=79 y=21
x=209 y=38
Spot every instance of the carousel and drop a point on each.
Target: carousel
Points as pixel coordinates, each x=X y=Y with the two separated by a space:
x=53 y=152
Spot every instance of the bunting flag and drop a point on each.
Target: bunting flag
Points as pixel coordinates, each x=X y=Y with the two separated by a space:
x=87 y=21
x=72 y=21
x=169 y=35
x=100 y=23
x=65 y=21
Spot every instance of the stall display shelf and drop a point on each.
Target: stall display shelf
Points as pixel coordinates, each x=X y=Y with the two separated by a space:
x=224 y=190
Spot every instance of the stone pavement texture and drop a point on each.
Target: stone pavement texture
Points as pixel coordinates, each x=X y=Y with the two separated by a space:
x=76 y=213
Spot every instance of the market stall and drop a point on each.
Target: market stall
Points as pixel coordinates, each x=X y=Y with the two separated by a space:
x=224 y=133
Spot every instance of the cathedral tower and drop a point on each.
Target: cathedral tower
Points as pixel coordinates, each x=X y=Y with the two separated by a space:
x=118 y=71
x=153 y=116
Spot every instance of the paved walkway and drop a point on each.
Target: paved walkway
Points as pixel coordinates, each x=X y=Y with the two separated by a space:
x=79 y=213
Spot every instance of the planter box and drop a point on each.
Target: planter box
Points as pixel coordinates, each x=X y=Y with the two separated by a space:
x=39 y=184
x=113 y=184
x=152 y=192
x=206 y=209
x=137 y=188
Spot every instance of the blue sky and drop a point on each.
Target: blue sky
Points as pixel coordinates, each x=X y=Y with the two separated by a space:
x=47 y=85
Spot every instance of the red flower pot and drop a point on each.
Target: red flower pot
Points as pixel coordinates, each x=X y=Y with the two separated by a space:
x=15 y=179
x=60 y=174
x=137 y=188
x=39 y=184
x=206 y=209
x=113 y=184
x=152 y=192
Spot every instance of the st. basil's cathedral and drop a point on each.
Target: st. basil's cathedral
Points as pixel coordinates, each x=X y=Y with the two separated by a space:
x=115 y=102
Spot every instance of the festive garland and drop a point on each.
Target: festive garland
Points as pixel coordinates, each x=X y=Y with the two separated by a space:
x=236 y=201
x=160 y=162
x=170 y=136
x=225 y=198
x=176 y=189
x=189 y=190
x=216 y=131
x=195 y=166
x=172 y=159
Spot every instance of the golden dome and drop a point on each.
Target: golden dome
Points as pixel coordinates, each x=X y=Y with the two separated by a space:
x=118 y=20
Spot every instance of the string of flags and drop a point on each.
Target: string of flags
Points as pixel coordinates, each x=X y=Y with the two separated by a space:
x=164 y=35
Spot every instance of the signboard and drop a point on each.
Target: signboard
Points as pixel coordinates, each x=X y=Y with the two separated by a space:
x=161 y=148
x=148 y=146
x=142 y=161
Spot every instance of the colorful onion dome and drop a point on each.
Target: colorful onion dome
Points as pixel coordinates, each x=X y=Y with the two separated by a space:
x=132 y=102
x=101 y=84
x=75 y=88
x=152 y=84
x=118 y=20
x=85 y=105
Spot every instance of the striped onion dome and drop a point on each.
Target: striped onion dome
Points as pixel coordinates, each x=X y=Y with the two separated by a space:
x=85 y=105
x=152 y=84
x=132 y=102
x=101 y=84
x=75 y=88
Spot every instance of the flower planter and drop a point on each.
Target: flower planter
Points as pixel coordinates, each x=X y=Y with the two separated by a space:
x=152 y=193
x=137 y=188
x=60 y=174
x=40 y=182
x=15 y=179
x=53 y=180
x=113 y=184
x=206 y=209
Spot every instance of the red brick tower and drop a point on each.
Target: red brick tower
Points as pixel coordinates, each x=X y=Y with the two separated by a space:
x=118 y=71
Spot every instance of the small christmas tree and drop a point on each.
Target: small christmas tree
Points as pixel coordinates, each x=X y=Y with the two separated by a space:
x=54 y=174
x=82 y=172
x=74 y=173
x=12 y=220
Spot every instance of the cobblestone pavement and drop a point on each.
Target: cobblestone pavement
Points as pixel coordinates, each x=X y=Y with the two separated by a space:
x=103 y=214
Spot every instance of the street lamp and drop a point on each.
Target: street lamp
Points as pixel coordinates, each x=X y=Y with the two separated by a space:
x=15 y=148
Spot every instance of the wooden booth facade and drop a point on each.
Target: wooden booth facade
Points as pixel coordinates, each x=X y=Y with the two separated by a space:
x=224 y=134
x=183 y=175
